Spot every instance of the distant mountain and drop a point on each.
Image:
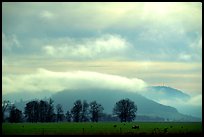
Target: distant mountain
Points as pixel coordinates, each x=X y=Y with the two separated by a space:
x=108 y=98
x=173 y=97
x=18 y=96
x=158 y=93
x=146 y=101
x=164 y=92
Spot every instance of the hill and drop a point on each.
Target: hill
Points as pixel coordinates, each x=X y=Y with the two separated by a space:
x=108 y=98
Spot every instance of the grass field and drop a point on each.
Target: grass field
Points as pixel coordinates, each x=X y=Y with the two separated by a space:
x=102 y=128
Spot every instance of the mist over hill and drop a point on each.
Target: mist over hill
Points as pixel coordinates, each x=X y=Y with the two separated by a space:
x=183 y=102
x=164 y=92
x=148 y=101
x=108 y=98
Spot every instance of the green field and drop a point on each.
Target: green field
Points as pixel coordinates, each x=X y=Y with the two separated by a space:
x=102 y=128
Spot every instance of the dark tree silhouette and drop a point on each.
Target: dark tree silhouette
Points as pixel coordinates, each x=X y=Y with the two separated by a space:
x=59 y=113
x=76 y=111
x=85 y=113
x=125 y=109
x=50 y=113
x=68 y=116
x=15 y=115
x=43 y=107
x=5 y=105
x=39 y=111
x=32 y=111
x=95 y=110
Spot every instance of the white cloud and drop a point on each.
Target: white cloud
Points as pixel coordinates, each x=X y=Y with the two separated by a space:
x=47 y=14
x=49 y=50
x=184 y=56
x=45 y=80
x=104 y=46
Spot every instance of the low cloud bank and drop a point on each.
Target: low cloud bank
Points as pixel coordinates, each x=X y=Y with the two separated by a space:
x=45 y=80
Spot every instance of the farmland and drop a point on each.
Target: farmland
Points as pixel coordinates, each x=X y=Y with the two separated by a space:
x=102 y=128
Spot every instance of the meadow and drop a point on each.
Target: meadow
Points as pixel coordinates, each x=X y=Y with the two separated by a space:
x=102 y=128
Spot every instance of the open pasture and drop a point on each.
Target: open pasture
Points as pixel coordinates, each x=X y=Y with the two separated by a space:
x=102 y=128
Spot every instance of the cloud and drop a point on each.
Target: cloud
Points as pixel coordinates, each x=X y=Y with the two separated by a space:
x=197 y=44
x=195 y=100
x=196 y=48
x=193 y=106
x=108 y=15
x=88 y=48
x=3 y=62
x=157 y=31
x=45 y=80
x=183 y=56
x=50 y=50
x=47 y=14
x=9 y=41
x=194 y=51
x=181 y=75
x=200 y=43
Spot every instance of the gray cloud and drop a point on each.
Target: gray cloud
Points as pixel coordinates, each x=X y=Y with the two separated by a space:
x=160 y=31
x=98 y=16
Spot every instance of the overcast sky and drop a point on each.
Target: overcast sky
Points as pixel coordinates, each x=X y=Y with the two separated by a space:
x=56 y=46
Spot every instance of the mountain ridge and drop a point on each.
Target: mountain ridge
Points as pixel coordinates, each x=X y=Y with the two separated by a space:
x=145 y=106
x=107 y=98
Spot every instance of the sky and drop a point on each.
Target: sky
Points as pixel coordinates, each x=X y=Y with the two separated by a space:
x=57 y=46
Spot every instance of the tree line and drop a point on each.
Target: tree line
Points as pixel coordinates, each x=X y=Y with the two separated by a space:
x=82 y=111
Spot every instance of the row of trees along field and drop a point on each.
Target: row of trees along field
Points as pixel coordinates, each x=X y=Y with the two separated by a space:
x=43 y=111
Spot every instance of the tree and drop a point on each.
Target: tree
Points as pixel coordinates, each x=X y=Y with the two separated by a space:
x=76 y=111
x=32 y=111
x=5 y=105
x=50 y=113
x=59 y=112
x=68 y=116
x=43 y=107
x=95 y=110
x=15 y=115
x=39 y=111
x=125 y=109
x=85 y=113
